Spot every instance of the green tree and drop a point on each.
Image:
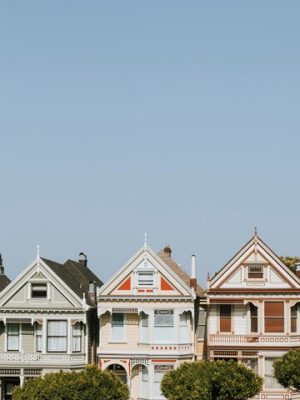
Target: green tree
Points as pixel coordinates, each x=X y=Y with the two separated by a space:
x=287 y=370
x=91 y=383
x=290 y=262
x=211 y=380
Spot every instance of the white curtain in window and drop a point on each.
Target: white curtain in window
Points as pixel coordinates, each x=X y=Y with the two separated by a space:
x=76 y=337
x=184 y=334
x=117 y=327
x=164 y=330
x=57 y=336
x=13 y=337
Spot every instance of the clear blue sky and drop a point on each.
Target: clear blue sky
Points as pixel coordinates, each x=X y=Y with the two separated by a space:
x=176 y=118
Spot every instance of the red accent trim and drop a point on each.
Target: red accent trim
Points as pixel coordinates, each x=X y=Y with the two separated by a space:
x=149 y=290
x=164 y=285
x=164 y=361
x=141 y=290
x=126 y=285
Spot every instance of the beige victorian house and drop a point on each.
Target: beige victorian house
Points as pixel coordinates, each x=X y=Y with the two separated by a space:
x=147 y=320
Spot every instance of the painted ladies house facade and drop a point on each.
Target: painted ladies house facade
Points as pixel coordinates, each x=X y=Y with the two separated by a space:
x=48 y=321
x=253 y=313
x=147 y=320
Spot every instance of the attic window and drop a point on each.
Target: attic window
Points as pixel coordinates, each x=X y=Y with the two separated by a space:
x=38 y=290
x=255 y=271
x=145 y=279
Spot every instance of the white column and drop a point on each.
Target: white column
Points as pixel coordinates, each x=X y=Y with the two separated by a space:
x=22 y=377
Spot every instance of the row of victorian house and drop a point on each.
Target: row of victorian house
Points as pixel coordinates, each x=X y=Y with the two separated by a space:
x=150 y=317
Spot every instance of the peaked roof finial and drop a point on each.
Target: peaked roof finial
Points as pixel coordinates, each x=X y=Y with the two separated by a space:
x=255 y=231
x=37 y=251
x=145 y=240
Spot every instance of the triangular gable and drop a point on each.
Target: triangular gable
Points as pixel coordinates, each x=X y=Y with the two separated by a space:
x=145 y=262
x=255 y=266
x=17 y=292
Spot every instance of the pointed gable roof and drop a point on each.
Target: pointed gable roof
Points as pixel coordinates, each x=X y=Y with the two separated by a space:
x=267 y=256
x=4 y=281
x=76 y=275
x=165 y=255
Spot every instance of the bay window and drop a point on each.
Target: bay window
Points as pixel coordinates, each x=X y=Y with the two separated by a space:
x=184 y=336
x=253 y=318
x=57 y=336
x=38 y=336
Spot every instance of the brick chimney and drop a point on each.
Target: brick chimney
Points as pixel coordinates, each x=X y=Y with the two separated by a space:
x=168 y=250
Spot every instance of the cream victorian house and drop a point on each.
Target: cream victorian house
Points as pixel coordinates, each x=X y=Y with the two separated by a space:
x=253 y=313
x=48 y=321
x=147 y=320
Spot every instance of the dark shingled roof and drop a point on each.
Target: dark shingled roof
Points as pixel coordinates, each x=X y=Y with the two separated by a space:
x=4 y=281
x=165 y=255
x=76 y=275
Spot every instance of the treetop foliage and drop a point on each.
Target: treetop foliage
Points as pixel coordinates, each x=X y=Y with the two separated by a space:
x=91 y=383
x=287 y=369
x=211 y=380
x=290 y=262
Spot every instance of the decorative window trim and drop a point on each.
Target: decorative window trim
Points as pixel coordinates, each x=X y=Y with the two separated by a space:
x=255 y=271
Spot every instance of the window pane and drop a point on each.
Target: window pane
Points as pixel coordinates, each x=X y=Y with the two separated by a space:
x=163 y=318
x=117 y=327
x=225 y=318
x=273 y=309
x=294 y=318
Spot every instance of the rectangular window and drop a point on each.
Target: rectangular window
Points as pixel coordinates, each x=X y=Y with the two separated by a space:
x=159 y=371
x=145 y=279
x=251 y=363
x=184 y=336
x=201 y=324
x=76 y=337
x=117 y=327
x=274 y=316
x=270 y=381
x=225 y=318
x=57 y=336
x=38 y=335
x=294 y=318
x=38 y=290
x=144 y=382
x=164 y=331
x=253 y=318
x=255 y=271
x=13 y=334
x=144 y=327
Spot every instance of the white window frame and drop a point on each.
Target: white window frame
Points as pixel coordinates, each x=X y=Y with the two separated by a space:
x=58 y=336
x=41 y=285
x=164 y=333
x=255 y=265
x=9 y=334
x=77 y=337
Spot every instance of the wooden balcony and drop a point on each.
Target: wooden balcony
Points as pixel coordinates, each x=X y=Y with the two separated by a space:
x=253 y=340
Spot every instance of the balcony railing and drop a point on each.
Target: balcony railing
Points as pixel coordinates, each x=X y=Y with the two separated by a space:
x=153 y=349
x=248 y=340
x=41 y=359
